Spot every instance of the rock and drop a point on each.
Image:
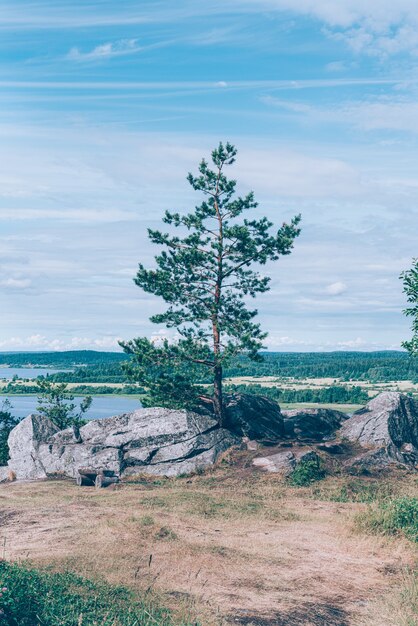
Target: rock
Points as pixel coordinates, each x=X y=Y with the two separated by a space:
x=250 y=444
x=312 y=424
x=4 y=473
x=153 y=441
x=368 y=462
x=332 y=447
x=253 y=416
x=24 y=442
x=390 y=422
x=285 y=462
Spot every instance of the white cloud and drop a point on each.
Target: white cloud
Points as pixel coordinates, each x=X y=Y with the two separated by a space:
x=106 y=51
x=336 y=289
x=41 y=342
x=15 y=283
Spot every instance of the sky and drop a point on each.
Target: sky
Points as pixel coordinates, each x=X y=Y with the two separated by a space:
x=106 y=106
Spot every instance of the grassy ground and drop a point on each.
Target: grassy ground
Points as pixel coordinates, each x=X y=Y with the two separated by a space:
x=233 y=546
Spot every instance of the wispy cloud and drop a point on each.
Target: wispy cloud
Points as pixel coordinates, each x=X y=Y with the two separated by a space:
x=336 y=289
x=376 y=27
x=15 y=283
x=105 y=51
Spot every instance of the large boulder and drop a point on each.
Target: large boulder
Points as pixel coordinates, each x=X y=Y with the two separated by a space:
x=312 y=424
x=390 y=422
x=154 y=441
x=253 y=416
x=25 y=441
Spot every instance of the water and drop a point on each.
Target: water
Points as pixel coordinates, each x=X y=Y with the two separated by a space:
x=26 y=372
x=101 y=406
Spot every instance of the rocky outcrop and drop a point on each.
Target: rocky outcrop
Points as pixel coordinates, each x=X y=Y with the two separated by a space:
x=253 y=416
x=312 y=424
x=285 y=462
x=153 y=441
x=389 y=422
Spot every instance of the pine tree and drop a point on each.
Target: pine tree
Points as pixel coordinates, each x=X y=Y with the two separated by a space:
x=410 y=287
x=56 y=403
x=206 y=276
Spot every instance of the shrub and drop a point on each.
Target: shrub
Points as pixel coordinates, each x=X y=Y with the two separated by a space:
x=34 y=598
x=307 y=472
x=7 y=423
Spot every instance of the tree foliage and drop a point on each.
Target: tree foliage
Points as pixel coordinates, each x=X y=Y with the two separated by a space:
x=57 y=403
x=206 y=274
x=410 y=287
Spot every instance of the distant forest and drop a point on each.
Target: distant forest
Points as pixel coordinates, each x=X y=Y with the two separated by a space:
x=101 y=367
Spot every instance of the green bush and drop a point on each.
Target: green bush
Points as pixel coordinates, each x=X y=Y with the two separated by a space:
x=42 y=598
x=307 y=472
x=391 y=517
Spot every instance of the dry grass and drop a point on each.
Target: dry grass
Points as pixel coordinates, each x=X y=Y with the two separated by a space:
x=233 y=546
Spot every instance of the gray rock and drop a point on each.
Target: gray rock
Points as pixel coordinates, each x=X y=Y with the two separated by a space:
x=369 y=462
x=4 y=473
x=154 y=441
x=25 y=441
x=253 y=416
x=389 y=421
x=312 y=424
x=285 y=462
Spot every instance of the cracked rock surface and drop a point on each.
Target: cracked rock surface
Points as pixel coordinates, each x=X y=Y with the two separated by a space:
x=152 y=440
x=389 y=421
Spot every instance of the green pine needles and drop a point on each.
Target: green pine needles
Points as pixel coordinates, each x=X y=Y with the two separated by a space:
x=206 y=275
x=410 y=287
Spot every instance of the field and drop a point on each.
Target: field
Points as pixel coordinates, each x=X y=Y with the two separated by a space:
x=232 y=546
x=372 y=388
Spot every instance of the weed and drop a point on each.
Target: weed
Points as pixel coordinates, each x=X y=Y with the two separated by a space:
x=166 y=534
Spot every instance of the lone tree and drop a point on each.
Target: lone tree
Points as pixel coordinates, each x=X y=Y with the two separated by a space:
x=410 y=287
x=56 y=403
x=205 y=277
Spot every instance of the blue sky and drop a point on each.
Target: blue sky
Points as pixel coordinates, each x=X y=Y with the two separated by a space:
x=105 y=107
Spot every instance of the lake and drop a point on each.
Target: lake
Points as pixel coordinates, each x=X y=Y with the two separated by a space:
x=26 y=372
x=101 y=406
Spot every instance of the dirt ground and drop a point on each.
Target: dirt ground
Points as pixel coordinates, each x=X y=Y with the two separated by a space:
x=230 y=547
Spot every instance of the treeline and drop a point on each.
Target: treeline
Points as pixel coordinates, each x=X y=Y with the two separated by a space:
x=347 y=366
x=336 y=394
x=14 y=388
x=106 y=367
x=67 y=359
x=98 y=373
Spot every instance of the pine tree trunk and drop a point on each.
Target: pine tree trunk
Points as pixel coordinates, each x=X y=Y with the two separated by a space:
x=217 y=395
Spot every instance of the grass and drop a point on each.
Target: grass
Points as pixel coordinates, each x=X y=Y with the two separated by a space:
x=354 y=490
x=213 y=548
x=392 y=516
x=42 y=598
x=397 y=607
